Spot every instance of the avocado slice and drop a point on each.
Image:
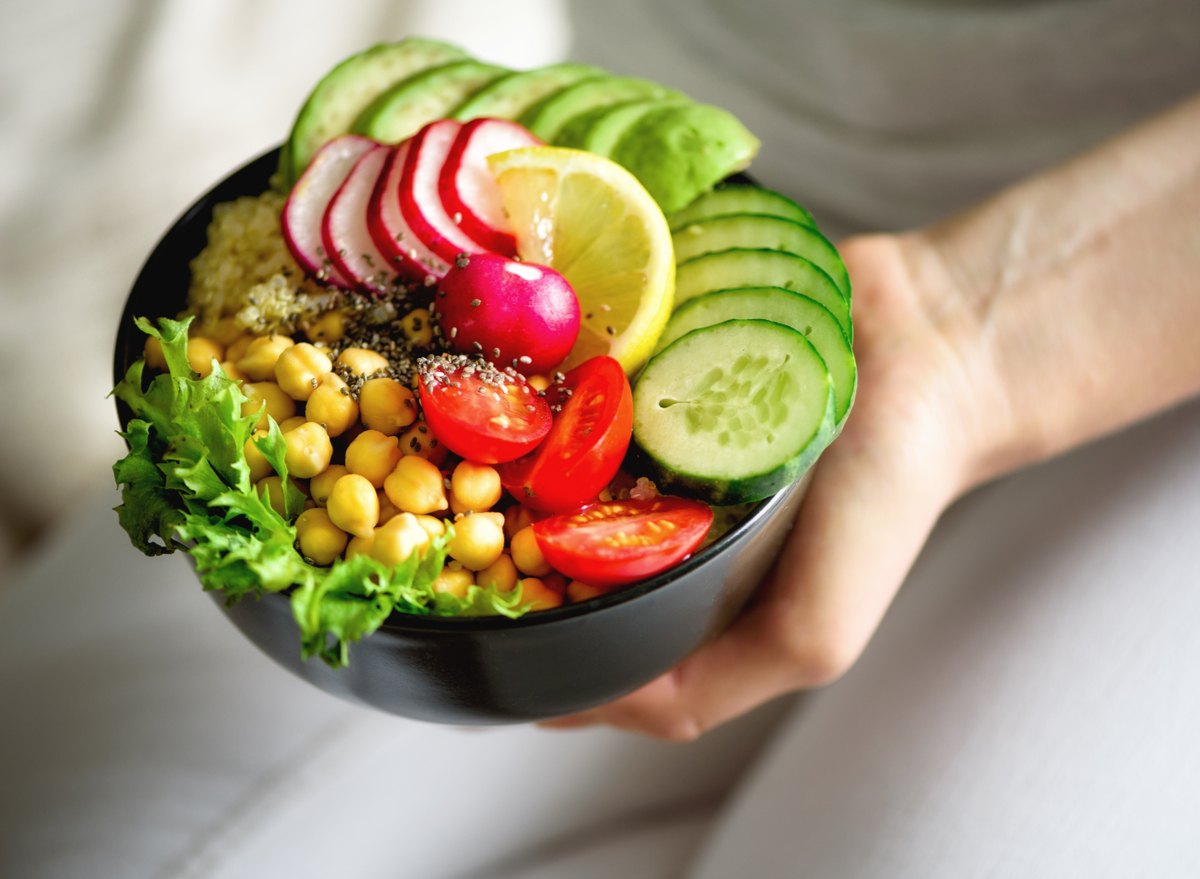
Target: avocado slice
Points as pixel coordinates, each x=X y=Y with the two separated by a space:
x=511 y=96
x=679 y=152
x=547 y=117
x=402 y=110
x=598 y=131
x=346 y=90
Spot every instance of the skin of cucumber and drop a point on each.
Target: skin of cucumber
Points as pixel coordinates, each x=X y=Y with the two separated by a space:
x=739 y=198
x=723 y=491
x=297 y=154
x=700 y=302
x=485 y=102
x=834 y=301
x=373 y=121
x=764 y=228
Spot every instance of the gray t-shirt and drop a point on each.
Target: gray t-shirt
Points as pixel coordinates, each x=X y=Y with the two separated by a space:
x=888 y=114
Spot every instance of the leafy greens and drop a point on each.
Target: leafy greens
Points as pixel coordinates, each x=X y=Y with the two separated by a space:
x=185 y=484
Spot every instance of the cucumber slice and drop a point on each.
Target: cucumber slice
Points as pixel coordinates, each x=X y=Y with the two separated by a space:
x=738 y=198
x=599 y=130
x=733 y=412
x=349 y=88
x=740 y=267
x=547 y=117
x=679 y=152
x=761 y=231
x=795 y=310
x=511 y=96
x=408 y=106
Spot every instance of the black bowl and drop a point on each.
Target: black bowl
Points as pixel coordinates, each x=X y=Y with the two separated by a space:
x=485 y=670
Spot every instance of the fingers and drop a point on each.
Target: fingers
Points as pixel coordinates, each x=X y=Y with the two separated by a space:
x=860 y=528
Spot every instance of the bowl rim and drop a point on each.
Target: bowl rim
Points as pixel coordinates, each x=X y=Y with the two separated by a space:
x=399 y=622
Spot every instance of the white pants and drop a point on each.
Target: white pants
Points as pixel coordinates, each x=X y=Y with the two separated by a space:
x=1029 y=708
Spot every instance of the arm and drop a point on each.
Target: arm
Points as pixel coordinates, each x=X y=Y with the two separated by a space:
x=1064 y=308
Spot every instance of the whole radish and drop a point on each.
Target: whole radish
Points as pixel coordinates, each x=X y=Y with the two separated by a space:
x=513 y=313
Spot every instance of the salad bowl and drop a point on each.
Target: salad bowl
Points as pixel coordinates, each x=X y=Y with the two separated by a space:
x=484 y=670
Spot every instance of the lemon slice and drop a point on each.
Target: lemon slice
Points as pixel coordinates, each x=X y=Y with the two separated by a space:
x=590 y=220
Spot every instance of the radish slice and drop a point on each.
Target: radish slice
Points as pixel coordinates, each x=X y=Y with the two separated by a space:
x=344 y=229
x=468 y=188
x=393 y=236
x=304 y=209
x=419 y=198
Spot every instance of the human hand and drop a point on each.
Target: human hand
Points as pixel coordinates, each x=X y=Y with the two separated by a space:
x=915 y=439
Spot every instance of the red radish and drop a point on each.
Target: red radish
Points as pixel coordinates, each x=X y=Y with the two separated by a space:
x=395 y=239
x=514 y=313
x=344 y=229
x=469 y=190
x=419 y=198
x=305 y=206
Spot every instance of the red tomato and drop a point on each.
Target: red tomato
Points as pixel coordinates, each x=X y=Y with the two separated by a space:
x=479 y=412
x=586 y=445
x=615 y=542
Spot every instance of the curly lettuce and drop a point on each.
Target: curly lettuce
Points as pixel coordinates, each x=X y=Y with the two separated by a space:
x=185 y=484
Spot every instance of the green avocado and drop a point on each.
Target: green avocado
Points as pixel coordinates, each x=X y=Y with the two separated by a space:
x=547 y=117
x=509 y=97
x=346 y=90
x=599 y=130
x=409 y=105
x=679 y=152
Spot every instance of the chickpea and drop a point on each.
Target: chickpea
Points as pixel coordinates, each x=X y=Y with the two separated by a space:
x=478 y=540
x=454 y=579
x=231 y=371
x=474 y=487
x=538 y=382
x=225 y=332
x=309 y=450
x=419 y=440
x=538 y=595
x=329 y=327
x=374 y=455
x=354 y=506
x=261 y=356
x=396 y=541
x=273 y=486
x=433 y=526
x=362 y=361
x=292 y=423
x=359 y=546
x=236 y=349
x=387 y=509
x=201 y=352
x=527 y=555
x=322 y=484
x=298 y=369
x=280 y=406
x=578 y=591
x=153 y=353
x=260 y=467
x=516 y=517
x=321 y=541
x=330 y=404
x=387 y=406
x=418 y=328
x=500 y=574
x=415 y=486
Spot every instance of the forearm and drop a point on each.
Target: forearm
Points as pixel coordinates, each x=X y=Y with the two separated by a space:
x=1074 y=298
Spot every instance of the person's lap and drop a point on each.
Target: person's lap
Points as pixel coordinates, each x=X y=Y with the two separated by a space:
x=1027 y=709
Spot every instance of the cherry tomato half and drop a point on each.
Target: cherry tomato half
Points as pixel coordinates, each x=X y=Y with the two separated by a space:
x=586 y=445
x=616 y=542
x=479 y=412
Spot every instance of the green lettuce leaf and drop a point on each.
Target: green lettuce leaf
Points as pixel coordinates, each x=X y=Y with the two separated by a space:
x=185 y=484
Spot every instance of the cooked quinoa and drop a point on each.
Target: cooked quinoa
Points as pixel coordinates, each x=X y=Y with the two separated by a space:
x=246 y=272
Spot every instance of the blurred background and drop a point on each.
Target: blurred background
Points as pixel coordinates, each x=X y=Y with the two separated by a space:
x=114 y=116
